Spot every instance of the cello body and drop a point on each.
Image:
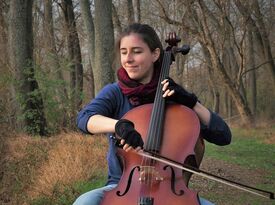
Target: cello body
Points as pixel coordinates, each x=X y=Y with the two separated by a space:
x=147 y=182
x=170 y=131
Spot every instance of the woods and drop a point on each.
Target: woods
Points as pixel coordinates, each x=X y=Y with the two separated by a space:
x=30 y=100
x=57 y=54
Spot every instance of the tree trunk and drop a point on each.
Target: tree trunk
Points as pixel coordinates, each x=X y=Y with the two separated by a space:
x=52 y=61
x=7 y=102
x=260 y=32
x=228 y=107
x=104 y=41
x=138 y=11
x=216 y=94
x=49 y=42
x=242 y=107
x=21 y=60
x=252 y=75
x=116 y=21
x=76 y=68
x=239 y=101
x=198 y=26
x=130 y=12
x=266 y=43
x=90 y=32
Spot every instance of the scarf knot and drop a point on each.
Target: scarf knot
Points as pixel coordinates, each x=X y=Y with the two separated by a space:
x=137 y=93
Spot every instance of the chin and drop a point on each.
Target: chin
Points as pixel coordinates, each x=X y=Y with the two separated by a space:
x=134 y=77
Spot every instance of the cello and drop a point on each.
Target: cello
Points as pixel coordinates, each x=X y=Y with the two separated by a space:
x=146 y=181
x=173 y=150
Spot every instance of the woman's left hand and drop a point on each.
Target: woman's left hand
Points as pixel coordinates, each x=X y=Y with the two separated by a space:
x=178 y=94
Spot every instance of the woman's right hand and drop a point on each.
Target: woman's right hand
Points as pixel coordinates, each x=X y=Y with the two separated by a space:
x=130 y=139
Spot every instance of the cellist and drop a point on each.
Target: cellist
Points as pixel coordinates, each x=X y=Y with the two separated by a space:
x=140 y=52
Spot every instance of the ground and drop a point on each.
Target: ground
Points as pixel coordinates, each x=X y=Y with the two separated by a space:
x=227 y=195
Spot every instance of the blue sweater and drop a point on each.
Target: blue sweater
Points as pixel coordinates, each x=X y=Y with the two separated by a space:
x=111 y=102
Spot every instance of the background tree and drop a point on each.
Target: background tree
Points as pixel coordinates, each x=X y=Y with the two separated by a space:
x=130 y=12
x=75 y=59
x=52 y=69
x=116 y=20
x=21 y=60
x=90 y=33
x=137 y=11
x=252 y=14
x=104 y=43
x=215 y=28
x=252 y=84
x=230 y=65
x=7 y=91
x=208 y=40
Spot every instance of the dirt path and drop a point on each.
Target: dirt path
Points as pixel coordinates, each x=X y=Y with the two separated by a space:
x=225 y=195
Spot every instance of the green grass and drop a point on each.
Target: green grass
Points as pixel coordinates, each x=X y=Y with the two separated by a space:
x=249 y=150
x=67 y=195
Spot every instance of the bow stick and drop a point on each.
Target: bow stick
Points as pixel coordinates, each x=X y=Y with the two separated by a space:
x=253 y=190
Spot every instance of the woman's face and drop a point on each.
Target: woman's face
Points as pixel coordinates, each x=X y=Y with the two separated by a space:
x=137 y=58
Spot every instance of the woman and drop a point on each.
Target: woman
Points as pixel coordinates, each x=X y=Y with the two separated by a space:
x=140 y=55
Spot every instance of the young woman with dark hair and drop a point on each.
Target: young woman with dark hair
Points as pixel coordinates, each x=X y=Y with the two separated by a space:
x=141 y=54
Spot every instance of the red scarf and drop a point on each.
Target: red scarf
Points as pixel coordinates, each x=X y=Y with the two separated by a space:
x=136 y=92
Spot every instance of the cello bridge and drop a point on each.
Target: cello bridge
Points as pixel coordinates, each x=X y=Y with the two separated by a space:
x=149 y=174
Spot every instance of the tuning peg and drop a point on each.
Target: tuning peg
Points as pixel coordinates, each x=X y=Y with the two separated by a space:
x=183 y=50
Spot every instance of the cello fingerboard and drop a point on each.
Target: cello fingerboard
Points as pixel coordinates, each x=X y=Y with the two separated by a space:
x=146 y=201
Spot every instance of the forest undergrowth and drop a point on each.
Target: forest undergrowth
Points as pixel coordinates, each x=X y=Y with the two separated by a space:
x=57 y=169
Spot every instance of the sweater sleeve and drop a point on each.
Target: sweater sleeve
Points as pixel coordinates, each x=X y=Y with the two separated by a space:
x=104 y=104
x=217 y=132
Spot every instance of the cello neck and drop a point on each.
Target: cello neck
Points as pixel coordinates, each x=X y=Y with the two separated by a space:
x=154 y=135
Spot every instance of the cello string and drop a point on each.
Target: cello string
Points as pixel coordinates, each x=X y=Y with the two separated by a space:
x=207 y=175
x=155 y=129
x=160 y=107
x=156 y=132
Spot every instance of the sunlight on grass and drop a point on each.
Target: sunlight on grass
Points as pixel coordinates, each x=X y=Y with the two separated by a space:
x=245 y=151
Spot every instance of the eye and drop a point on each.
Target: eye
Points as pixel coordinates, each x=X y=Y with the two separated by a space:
x=137 y=50
x=123 y=51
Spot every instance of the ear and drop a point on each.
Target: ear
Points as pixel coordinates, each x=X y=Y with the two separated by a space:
x=156 y=54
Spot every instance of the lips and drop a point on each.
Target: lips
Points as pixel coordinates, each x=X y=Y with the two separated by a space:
x=132 y=68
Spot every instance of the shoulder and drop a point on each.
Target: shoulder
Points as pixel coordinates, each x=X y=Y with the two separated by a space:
x=111 y=89
x=113 y=86
x=112 y=95
x=111 y=102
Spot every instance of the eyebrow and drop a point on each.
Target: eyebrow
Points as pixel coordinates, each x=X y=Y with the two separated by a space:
x=137 y=47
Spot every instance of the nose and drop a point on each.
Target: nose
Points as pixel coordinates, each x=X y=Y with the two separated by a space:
x=129 y=58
